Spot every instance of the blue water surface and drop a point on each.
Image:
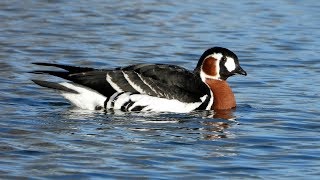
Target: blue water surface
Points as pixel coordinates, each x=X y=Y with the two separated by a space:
x=275 y=131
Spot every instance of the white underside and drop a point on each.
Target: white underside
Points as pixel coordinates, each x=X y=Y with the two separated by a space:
x=85 y=99
x=152 y=103
x=163 y=105
x=90 y=99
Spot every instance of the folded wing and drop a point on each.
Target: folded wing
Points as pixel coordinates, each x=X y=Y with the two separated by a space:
x=156 y=80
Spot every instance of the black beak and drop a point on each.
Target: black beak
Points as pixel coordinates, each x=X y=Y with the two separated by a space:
x=240 y=71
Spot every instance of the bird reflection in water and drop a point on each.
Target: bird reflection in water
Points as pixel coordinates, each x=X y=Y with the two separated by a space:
x=217 y=123
x=209 y=125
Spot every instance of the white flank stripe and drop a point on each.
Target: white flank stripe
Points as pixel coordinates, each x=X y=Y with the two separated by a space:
x=203 y=98
x=123 y=98
x=111 y=99
x=210 y=101
x=85 y=99
x=113 y=85
x=134 y=86
x=162 y=104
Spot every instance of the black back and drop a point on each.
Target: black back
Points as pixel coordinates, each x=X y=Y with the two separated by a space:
x=160 y=80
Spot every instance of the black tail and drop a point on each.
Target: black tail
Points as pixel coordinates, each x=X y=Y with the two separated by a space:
x=53 y=85
x=62 y=74
x=88 y=77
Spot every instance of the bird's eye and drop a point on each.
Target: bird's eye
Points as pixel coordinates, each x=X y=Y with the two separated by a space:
x=223 y=59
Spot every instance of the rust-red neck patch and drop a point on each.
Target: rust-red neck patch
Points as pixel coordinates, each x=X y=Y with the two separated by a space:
x=222 y=93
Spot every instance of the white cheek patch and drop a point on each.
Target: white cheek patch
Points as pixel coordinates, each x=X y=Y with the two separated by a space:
x=229 y=64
